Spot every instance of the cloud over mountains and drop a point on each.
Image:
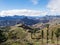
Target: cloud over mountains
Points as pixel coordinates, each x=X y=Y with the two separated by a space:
x=21 y=12
x=53 y=8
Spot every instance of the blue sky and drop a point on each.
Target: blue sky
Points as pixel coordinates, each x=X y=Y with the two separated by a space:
x=22 y=4
x=42 y=7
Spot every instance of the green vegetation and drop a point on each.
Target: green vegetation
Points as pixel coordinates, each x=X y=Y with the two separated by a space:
x=57 y=33
x=52 y=35
x=47 y=25
x=42 y=36
x=15 y=35
x=3 y=38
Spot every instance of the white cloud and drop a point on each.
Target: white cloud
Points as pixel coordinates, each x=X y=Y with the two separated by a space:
x=25 y=12
x=54 y=7
x=35 y=2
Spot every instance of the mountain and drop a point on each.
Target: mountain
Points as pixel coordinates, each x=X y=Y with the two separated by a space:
x=26 y=35
x=13 y=20
x=51 y=20
x=27 y=20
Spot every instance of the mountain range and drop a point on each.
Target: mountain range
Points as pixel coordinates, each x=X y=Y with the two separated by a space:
x=27 y=20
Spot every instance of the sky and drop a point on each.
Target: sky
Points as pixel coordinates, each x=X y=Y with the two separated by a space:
x=29 y=7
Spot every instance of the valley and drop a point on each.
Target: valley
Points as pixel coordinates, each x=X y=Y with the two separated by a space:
x=30 y=30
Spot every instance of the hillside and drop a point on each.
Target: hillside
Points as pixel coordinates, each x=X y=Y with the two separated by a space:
x=21 y=35
x=22 y=30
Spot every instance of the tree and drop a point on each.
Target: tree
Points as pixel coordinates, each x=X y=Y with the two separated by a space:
x=57 y=33
x=52 y=34
x=33 y=31
x=47 y=25
x=3 y=38
x=42 y=36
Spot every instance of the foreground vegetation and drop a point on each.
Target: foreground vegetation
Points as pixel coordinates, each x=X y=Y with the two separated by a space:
x=18 y=35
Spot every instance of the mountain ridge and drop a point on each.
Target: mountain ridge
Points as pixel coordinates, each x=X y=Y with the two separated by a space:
x=28 y=20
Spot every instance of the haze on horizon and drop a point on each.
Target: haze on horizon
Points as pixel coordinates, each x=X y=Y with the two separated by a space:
x=29 y=7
